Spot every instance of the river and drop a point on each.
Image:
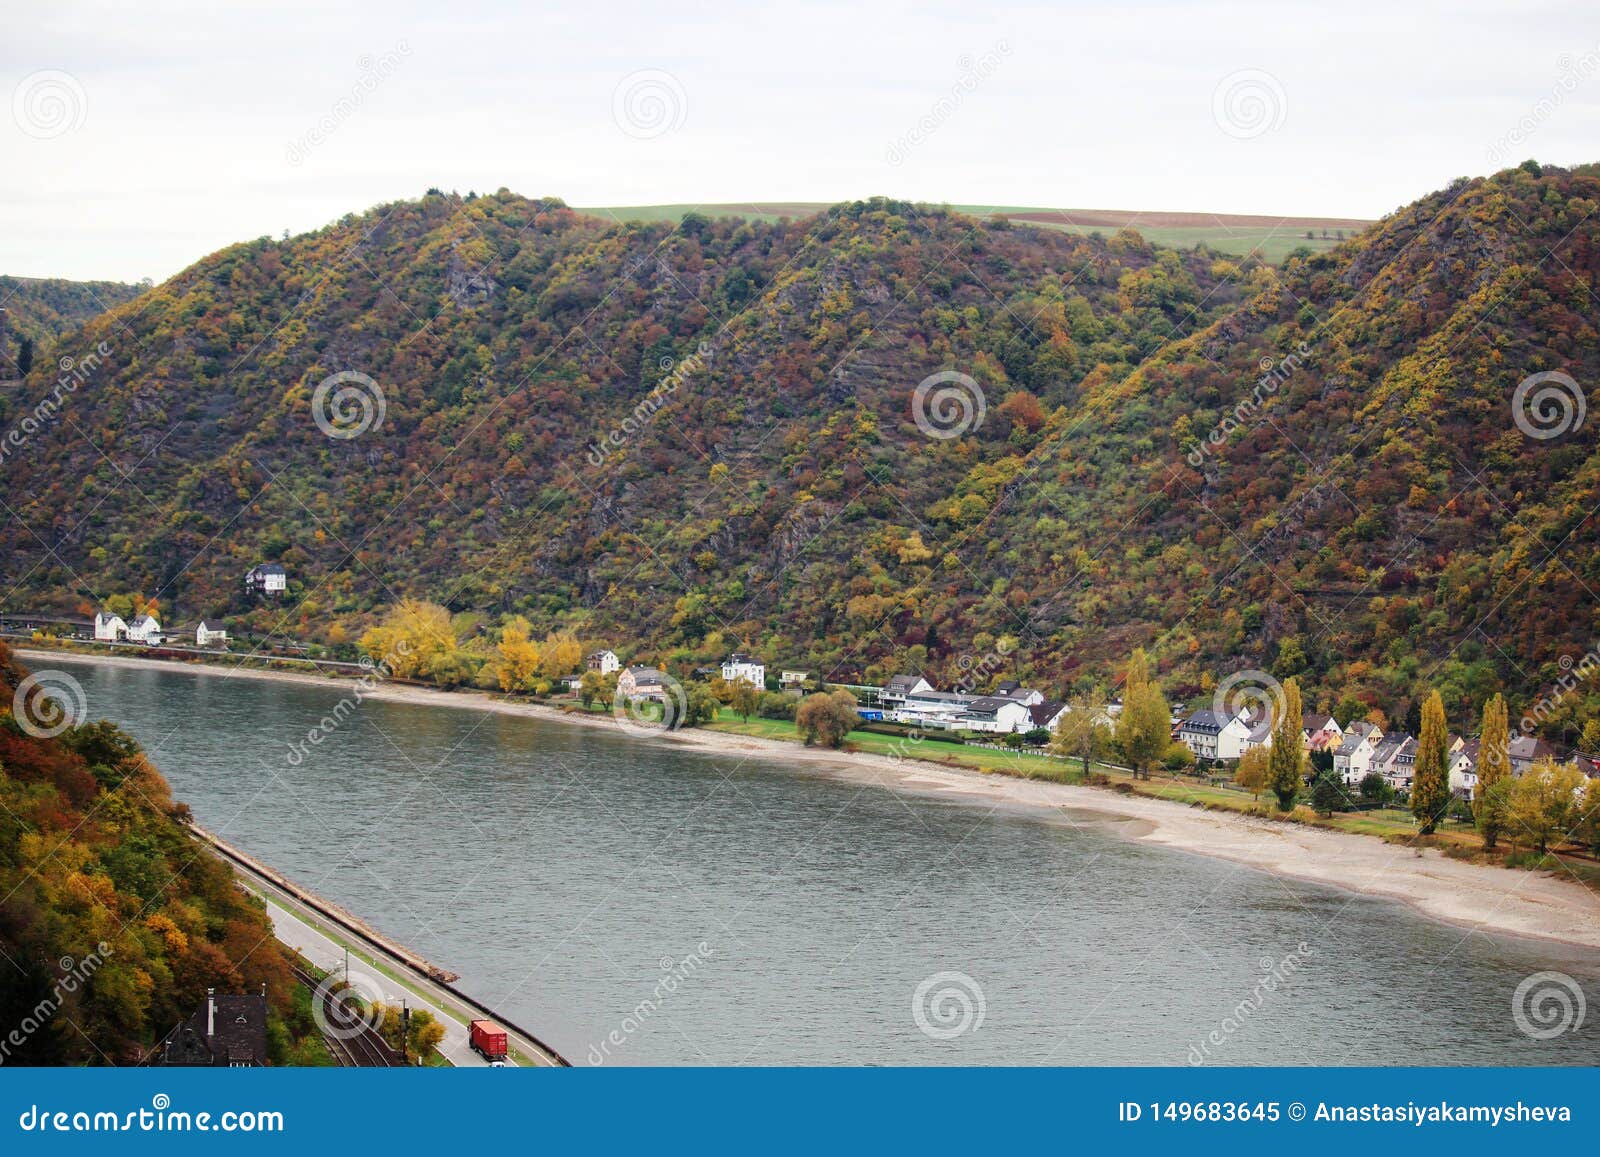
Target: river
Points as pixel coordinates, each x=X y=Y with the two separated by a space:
x=636 y=904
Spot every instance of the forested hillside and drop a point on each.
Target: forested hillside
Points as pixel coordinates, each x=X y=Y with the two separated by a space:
x=679 y=440
x=38 y=310
x=114 y=921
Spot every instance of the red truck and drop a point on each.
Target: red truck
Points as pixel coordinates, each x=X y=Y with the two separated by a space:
x=488 y=1040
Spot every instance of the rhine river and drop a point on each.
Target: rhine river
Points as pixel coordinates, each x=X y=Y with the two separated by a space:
x=566 y=872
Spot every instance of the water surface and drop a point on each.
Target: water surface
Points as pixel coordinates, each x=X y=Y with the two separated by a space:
x=561 y=869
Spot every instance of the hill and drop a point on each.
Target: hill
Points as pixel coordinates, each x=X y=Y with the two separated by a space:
x=886 y=438
x=42 y=309
x=114 y=922
x=1269 y=238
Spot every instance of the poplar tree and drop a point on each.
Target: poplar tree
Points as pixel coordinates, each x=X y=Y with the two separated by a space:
x=1430 y=789
x=1286 y=769
x=1494 y=766
x=1144 y=731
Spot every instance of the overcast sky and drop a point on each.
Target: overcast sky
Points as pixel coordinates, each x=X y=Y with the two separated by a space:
x=141 y=139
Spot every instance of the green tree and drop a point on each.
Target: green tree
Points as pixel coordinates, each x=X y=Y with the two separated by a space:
x=701 y=707
x=1494 y=766
x=1286 y=765
x=1144 y=730
x=745 y=699
x=1430 y=790
x=591 y=688
x=1375 y=788
x=826 y=718
x=1327 y=794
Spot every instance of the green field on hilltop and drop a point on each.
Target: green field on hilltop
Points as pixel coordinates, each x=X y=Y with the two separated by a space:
x=1270 y=239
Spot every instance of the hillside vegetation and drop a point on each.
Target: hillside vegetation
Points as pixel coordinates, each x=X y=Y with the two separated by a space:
x=678 y=440
x=114 y=922
x=42 y=309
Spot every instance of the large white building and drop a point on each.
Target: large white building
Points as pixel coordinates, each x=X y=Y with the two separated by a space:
x=1214 y=735
x=739 y=668
x=109 y=628
x=267 y=579
x=604 y=662
x=145 y=629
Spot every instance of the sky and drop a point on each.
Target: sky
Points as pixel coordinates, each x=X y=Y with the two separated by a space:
x=142 y=137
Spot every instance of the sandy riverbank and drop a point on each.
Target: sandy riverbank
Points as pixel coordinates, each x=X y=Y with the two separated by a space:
x=1489 y=899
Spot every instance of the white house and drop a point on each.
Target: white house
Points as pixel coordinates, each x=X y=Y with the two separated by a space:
x=109 y=628
x=899 y=688
x=604 y=662
x=740 y=668
x=1214 y=735
x=267 y=579
x=206 y=635
x=793 y=679
x=1395 y=758
x=936 y=710
x=1464 y=768
x=1047 y=714
x=996 y=714
x=1352 y=759
x=145 y=629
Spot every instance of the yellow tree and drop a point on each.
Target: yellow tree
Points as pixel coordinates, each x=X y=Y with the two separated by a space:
x=1144 y=730
x=1286 y=765
x=412 y=639
x=1081 y=731
x=560 y=655
x=1547 y=803
x=519 y=657
x=1430 y=787
x=1494 y=767
x=1251 y=774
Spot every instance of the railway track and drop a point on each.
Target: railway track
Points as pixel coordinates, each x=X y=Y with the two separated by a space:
x=353 y=1043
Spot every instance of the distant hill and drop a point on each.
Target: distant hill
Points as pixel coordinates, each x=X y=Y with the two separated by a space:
x=1268 y=237
x=42 y=309
x=884 y=438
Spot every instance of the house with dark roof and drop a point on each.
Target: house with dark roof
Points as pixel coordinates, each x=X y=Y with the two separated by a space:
x=224 y=1032
x=643 y=683
x=898 y=689
x=1526 y=750
x=1046 y=714
x=267 y=579
x=1214 y=734
x=742 y=668
x=1320 y=732
x=996 y=714
x=1395 y=759
x=1352 y=759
